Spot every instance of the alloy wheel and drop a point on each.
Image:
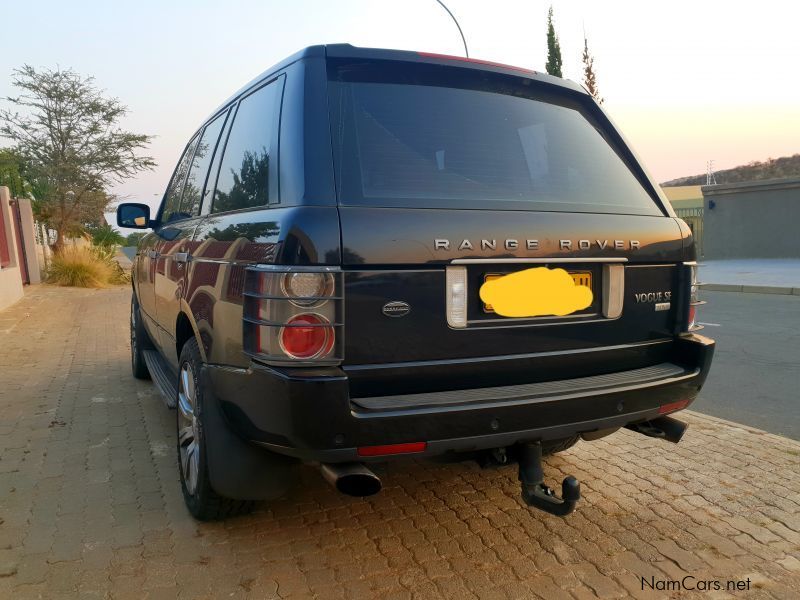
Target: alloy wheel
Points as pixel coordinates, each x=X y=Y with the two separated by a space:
x=188 y=429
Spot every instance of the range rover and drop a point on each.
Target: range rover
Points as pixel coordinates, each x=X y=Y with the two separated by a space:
x=365 y=255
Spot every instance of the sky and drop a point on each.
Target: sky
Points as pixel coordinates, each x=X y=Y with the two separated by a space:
x=686 y=81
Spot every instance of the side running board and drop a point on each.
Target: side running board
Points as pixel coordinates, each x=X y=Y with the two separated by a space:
x=165 y=380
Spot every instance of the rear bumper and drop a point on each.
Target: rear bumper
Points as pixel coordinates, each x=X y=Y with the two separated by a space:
x=309 y=415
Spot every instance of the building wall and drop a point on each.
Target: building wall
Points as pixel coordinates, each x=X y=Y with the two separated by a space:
x=10 y=277
x=687 y=202
x=758 y=219
x=684 y=196
x=29 y=240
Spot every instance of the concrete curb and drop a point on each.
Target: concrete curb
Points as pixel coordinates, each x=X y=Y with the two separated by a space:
x=776 y=437
x=751 y=289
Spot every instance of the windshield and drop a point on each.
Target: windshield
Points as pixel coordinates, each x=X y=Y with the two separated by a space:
x=426 y=146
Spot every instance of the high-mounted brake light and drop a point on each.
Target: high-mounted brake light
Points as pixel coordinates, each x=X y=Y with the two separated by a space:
x=477 y=61
x=294 y=315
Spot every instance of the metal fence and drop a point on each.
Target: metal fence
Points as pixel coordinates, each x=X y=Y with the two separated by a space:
x=694 y=219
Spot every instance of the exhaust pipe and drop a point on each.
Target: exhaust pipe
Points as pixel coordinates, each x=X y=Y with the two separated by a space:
x=352 y=479
x=664 y=427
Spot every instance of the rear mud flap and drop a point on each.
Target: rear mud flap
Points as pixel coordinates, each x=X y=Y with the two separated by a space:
x=236 y=468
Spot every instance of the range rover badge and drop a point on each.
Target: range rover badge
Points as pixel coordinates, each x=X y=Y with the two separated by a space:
x=396 y=308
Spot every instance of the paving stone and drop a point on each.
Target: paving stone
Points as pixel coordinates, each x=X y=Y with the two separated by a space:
x=8 y=568
x=90 y=504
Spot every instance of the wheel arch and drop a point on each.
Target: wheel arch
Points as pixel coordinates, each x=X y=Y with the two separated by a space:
x=186 y=329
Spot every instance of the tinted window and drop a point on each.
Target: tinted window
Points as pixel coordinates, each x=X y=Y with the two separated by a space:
x=171 y=210
x=193 y=190
x=247 y=169
x=431 y=146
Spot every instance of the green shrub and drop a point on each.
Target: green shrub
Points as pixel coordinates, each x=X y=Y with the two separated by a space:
x=105 y=236
x=134 y=238
x=106 y=254
x=85 y=267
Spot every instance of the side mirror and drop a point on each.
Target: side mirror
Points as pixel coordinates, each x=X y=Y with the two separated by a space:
x=134 y=215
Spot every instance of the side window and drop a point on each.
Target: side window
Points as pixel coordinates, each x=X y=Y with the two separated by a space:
x=247 y=171
x=193 y=191
x=172 y=199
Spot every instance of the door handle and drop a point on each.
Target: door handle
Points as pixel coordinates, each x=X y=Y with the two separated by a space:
x=182 y=257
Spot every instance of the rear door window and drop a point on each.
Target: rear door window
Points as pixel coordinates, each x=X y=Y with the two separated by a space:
x=248 y=171
x=203 y=155
x=422 y=144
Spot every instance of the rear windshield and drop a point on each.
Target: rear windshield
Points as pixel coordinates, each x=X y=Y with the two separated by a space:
x=421 y=144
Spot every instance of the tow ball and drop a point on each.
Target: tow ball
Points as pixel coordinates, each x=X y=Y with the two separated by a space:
x=534 y=491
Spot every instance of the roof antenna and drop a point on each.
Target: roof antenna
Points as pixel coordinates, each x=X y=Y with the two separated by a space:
x=463 y=39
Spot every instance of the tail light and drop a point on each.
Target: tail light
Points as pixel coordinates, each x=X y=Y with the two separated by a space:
x=694 y=297
x=294 y=315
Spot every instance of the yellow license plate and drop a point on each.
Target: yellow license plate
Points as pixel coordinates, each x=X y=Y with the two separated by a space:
x=579 y=277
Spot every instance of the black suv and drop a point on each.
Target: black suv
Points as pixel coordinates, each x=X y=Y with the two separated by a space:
x=312 y=288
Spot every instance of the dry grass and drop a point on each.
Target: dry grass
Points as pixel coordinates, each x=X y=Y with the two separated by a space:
x=84 y=267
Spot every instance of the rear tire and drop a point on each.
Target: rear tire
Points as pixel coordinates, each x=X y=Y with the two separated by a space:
x=139 y=342
x=555 y=446
x=202 y=501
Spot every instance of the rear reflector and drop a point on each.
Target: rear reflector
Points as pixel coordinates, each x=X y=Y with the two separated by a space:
x=672 y=407
x=409 y=448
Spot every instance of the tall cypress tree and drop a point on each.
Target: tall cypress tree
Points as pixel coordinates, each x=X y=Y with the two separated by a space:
x=589 y=76
x=553 y=47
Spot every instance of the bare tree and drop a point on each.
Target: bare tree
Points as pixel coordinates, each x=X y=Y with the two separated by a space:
x=589 y=76
x=68 y=133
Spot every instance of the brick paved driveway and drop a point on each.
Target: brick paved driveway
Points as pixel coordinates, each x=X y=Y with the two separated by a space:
x=90 y=503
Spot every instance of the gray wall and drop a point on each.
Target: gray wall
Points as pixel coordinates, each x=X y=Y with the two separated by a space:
x=759 y=219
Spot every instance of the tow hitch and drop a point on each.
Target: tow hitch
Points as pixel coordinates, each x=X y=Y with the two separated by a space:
x=535 y=493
